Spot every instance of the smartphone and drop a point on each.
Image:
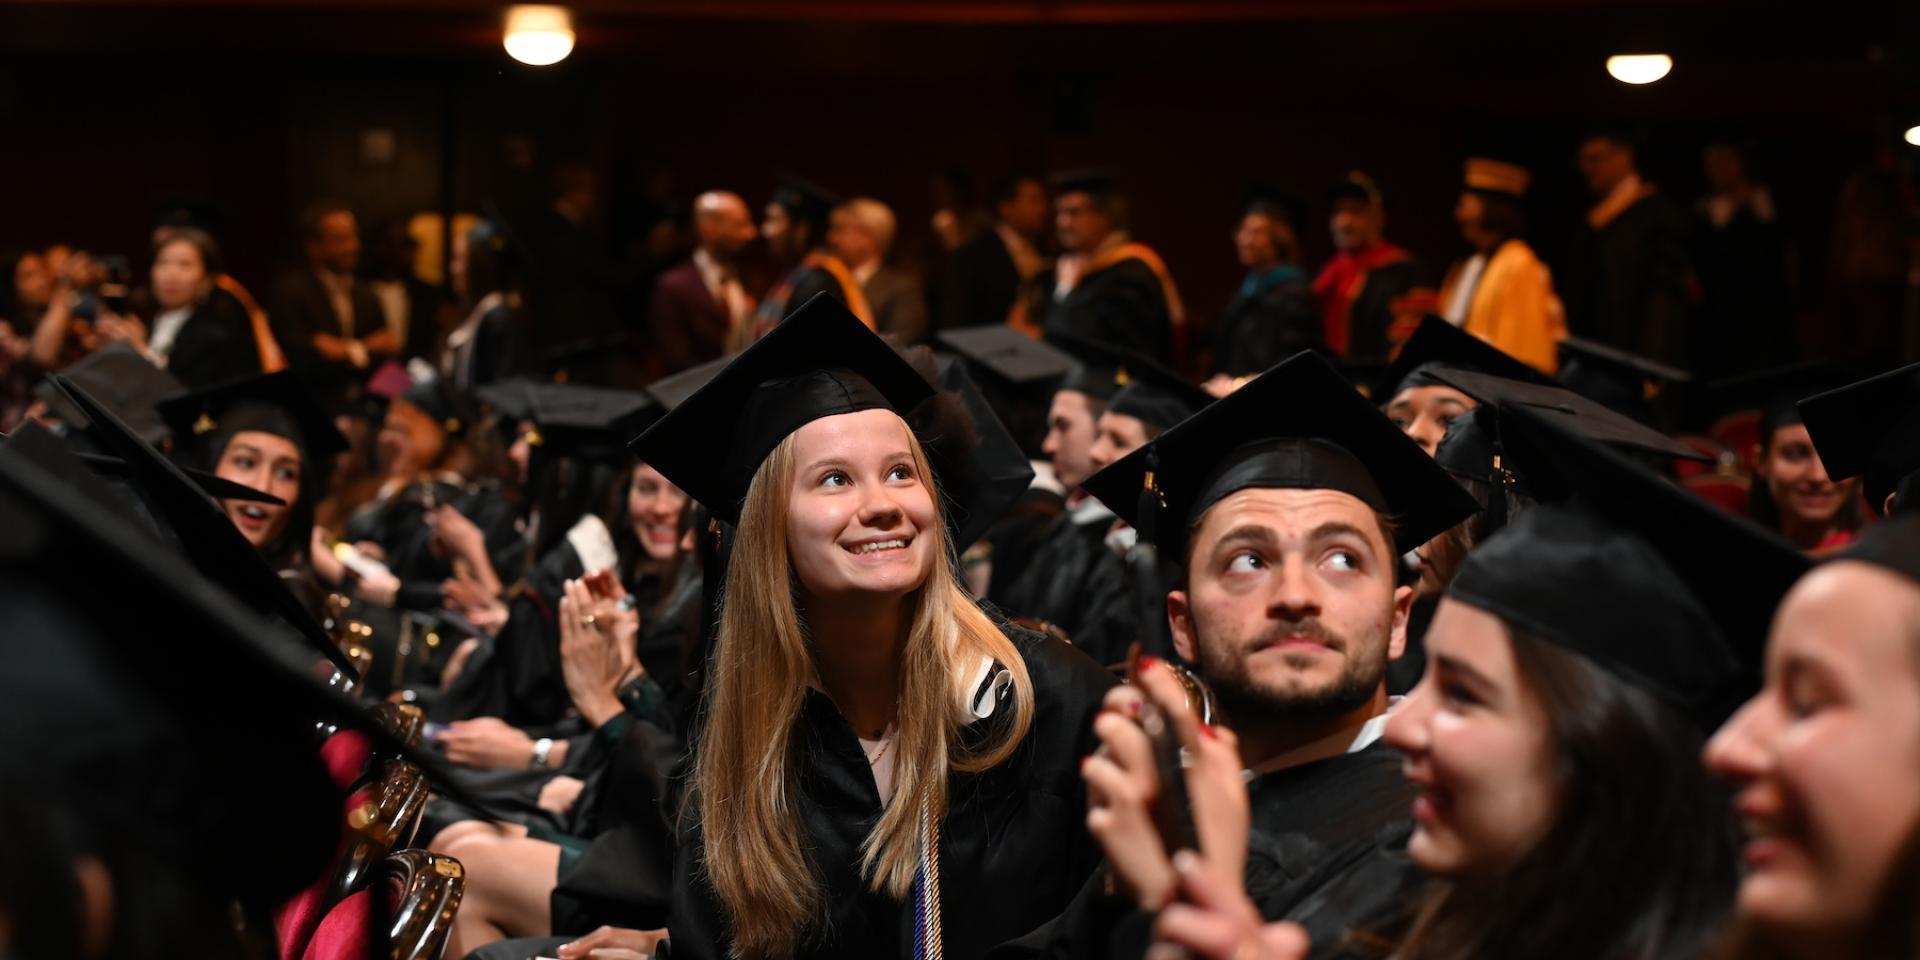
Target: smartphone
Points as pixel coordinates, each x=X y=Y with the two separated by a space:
x=1172 y=810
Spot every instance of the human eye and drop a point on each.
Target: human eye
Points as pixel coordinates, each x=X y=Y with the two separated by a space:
x=1246 y=561
x=1344 y=560
x=1804 y=694
x=242 y=461
x=286 y=473
x=835 y=478
x=900 y=471
x=1457 y=695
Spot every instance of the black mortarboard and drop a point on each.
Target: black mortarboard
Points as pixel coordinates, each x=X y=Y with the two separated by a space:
x=822 y=361
x=1635 y=572
x=1354 y=186
x=437 y=397
x=95 y=713
x=1585 y=417
x=1300 y=425
x=1142 y=387
x=509 y=401
x=212 y=484
x=119 y=377
x=275 y=403
x=673 y=390
x=592 y=423
x=1775 y=392
x=1098 y=183
x=1893 y=544
x=1007 y=353
x=1870 y=429
x=980 y=467
x=1624 y=381
x=210 y=540
x=1437 y=342
x=1472 y=449
x=805 y=200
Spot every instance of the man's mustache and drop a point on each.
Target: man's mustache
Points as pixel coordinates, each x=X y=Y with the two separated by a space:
x=1310 y=627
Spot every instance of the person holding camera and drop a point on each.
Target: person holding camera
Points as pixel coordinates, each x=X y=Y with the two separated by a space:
x=200 y=334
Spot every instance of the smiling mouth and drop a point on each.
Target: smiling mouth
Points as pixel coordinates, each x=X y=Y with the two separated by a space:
x=662 y=532
x=251 y=515
x=879 y=546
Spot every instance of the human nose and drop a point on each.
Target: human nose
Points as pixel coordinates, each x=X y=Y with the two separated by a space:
x=1737 y=753
x=1295 y=596
x=1406 y=729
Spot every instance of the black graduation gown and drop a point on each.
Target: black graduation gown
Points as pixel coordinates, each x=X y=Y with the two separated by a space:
x=215 y=345
x=1121 y=306
x=1374 y=309
x=1013 y=847
x=1264 y=328
x=1317 y=830
x=1077 y=583
x=1745 y=321
x=398 y=524
x=1625 y=285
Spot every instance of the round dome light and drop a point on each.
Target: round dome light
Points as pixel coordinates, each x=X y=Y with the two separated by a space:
x=539 y=34
x=1639 y=68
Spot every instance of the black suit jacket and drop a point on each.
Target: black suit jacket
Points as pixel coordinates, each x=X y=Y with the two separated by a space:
x=688 y=326
x=1121 y=306
x=979 y=284
x=215 y=345
x=300 y=308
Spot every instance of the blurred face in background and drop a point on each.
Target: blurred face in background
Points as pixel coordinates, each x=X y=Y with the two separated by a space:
x=179 y=275
x=1425 y=413
x=1082 y=223
x=724 y=224
x=1254 y=242
x=1797 y=481
x=656 y=508
x=1355 y=224
x=32 y=283
x=335 y=245
x=1604 y=162
x=777 y=227
x=1026 y=211
x=410 y=440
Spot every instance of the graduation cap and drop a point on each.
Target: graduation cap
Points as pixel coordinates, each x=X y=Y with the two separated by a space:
x=1355 y=186
x=1577 y=413
x=1496 y=176
x=1098 y=183
x=980 y=467
x=820 y=362
x=114 y=727
x=1624 y=381
x=804 y=200
x=1871 y=429
x=509 y=400
x=1007 y=353
x=1894 y=545
x=441 y=401
x=126 y=382
x=1135 y=385
x=212 y=484
x=209 y=539
x=672 y=391
x=1776 y=391
x=1300 y=425
x=1632 y=571
x=592 y=423
x=276 y=403
x=1437 y=342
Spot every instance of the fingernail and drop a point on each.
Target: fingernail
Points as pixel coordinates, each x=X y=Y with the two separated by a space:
x=1185 y=861
x=1149 y=661
x=1136 y=708
x=1206 y=730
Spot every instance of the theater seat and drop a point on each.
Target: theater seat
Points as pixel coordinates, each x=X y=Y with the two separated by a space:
x=1706 y=447
x=424 y=890
x=1738 y=432
x=1727 y=492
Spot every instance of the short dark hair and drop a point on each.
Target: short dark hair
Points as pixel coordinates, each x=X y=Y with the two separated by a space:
x=317 y=211
x=1006 y=189
x=200 y=240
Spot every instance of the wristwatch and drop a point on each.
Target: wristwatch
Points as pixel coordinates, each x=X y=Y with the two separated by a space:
x=541 y=748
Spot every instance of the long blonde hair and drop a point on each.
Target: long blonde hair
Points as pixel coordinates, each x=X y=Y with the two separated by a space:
x=745 y=763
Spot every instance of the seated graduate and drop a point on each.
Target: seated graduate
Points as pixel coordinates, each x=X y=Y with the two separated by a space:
x=1289 y=603
x=882 y=769
x=1422 y=406
x=267 y=433
x=1871 y=430
x=596 y=508
x=1791 y=491
x=431 y=517
x=1575 y=666
x=1826 y=762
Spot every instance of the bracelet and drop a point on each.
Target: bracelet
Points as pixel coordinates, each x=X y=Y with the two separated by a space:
x=541 y=748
